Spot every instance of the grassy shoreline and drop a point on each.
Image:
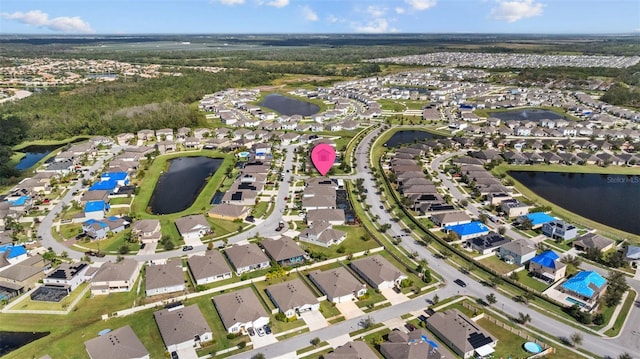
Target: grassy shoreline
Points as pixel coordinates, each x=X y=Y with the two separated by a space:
x=562 y=212
x=26 y=144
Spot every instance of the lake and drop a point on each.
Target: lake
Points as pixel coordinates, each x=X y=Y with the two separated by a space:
x=527 y=114
x=612 y=200
x=406 y=137
x=181 y=184
x=289 y=106
x=34 y=154
x=10 y=341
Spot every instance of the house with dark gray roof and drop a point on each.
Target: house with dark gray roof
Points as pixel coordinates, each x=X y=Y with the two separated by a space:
x=488 y=243
x=338 y=285
x=594 y=241
x=165 y=278
x=247 y=258
x=182 y=327
x=208 y=268
x=352 y=350
x=412 y=345
x=461 y=334
x=378 y=272
x=192 y=227
x=334 y=216
x=293 y=297
x=285 y=251
x=321 y=233
x=146 y=230
x=121 y=343
x=240 y=310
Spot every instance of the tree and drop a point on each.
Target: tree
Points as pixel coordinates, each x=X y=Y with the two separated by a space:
x=495 y=281
x=258 y=356
x=124 y=249
x=491 y=298
x=625 y=356
x=502 y=230
x=576 y=339
x=526 y=224
x=315 y=341
x=435 y=299
x=523 y=318
x=367 y=322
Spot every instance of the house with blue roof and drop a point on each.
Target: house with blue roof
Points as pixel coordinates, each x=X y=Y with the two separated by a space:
x=106 y=185
x=99 y=229
x=468 y=231
x=95 y=209
x=121 y=178
x=586 y=286
x=547 y=266
x=10 y=254
x=538 y=219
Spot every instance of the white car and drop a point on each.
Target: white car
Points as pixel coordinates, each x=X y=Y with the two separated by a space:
x=260 y=331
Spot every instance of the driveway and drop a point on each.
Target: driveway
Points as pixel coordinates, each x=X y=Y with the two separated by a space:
x=187 y=353
x=314 y=319
x=349 y=310
x=394 y=297
x=261 y=341
x=149 y=248
x=192 y=242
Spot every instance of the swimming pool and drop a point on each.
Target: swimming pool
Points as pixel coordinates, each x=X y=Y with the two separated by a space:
x=574 y=301
x=532 y=347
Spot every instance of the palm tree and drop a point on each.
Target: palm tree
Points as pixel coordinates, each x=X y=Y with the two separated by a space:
x=491 y=298
x=523 y=318
x=576 y=339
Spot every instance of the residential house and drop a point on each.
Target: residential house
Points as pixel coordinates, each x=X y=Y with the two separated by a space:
x=547 y=266
x=68 y=276
x=164 y=278
x=293 y=297
x=208 y=268
x=284 y=251
x=95 y=209
x=413 y=345
x=240 y=310
x=247 y=258
x=559 y=229
x=146 y=230
x=632 y=254
x=513 y=208
x=333 y=216
x=100 y=229
x=450 y=218
x=228 y=211
x=466 y=231
x=11 y=254
x=182 y=327
x=378 y=272
x=115 y=277
x=164 y=134
x=97 y=195
x=338 y=285
x=537 y=219
x=488 y=243
x=351 y=350
x=321 y=233
x=193 y=227
x=121 y=343
x=21 y=277
x=594 y=241
x=517 y=252
x=461 y=334
x=586 y=286
x=146 y=135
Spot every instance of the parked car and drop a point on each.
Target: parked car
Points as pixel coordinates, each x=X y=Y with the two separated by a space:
x=187 y=248
x=174 y=355
x=410 y=327
x=267 y=329
x=460 y=282
x=260 y=331
x=143 y=245
x=251 y=331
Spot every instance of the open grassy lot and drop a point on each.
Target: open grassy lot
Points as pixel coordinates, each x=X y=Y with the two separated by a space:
x=69 y=231
x=498 y=265
x=524 y=278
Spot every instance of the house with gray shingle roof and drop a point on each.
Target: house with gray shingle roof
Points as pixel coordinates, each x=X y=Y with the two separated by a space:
x=293 y=297
x=164 y=278
x=209 y=268
x=460 y=333
x=182 y=327
x=285 y=251
x=321 y=233
x=121 y=343
x=352 y=350
x=247 y=258
x=593 y=240
x=518 y=252
x=338 y=285
x=378 y=272
x=240 y=310
x=194 y=226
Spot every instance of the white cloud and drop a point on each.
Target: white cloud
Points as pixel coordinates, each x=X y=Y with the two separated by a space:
x=376 y=11
x=41 y=19
x=333 y=19
x=278 y=3
x=512 y=11
x=231 y=2
x=375 y=26
x=399 y=10
x=421 y=4
x=309 y=14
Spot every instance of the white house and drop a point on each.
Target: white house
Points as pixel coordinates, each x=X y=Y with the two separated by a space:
x=164 y=278
x=240 y=310
x=182 y=327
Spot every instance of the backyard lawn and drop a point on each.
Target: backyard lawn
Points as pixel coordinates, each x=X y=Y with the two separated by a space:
x=524 y=278
x=498 y=265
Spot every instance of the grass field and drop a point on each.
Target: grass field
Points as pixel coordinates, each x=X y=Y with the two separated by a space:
x=498 y=265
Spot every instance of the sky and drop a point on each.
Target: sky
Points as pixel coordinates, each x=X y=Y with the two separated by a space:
x=318 y=16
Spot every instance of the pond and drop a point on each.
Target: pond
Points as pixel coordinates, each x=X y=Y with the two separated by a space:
x=34 y=154
x=181 y=184
x=10 y=341
x=601 y=198
x=406 y=137
x=527 y=114
x=289 y=106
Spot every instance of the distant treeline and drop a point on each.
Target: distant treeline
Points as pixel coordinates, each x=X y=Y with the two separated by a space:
x=620 y=94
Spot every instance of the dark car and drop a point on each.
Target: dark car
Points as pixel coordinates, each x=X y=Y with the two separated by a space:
x=460 y=282
x=187 y=248
x=410 y=327
x=251 y=331
x=267 y=329
x=174 y=355
x=143 y=245
x=250 y=219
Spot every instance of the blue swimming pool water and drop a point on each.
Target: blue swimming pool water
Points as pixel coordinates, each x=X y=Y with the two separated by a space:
x=532 y=347
x=573 y=301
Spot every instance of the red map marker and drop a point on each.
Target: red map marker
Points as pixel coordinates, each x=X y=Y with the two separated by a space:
x=323 y=156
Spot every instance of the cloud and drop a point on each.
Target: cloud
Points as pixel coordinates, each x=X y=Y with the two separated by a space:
x=309 y=14
x=376 y=11
x=399 y=10
x=421 y=4
x=231 y=2
x=512 y=11
x=41 y=19
x=375 y=26
x=278 y=3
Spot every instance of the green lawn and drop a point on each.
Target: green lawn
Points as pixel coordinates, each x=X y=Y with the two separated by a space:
x=524 y=278
x=328 y=309
x=112 y=244
x=69 y=231
x=626 y=307
x=372 y=297
x=498 y=265
x=120 y=200
x=28 y=304
x=260 y=209
x=352 y=244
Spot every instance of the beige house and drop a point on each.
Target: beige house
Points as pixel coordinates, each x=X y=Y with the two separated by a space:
x=593 y=240
x=182 y=327
x=228 y=211
x=338 y=285
x=461 y=334
x=115 y=277
x=293 y=297
x=247 y=258
x=378 y=272
x=547 y=266
x=240 y=310
x=208 y=268
x=165 y=278
x=146 y=230
x=193 y=227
